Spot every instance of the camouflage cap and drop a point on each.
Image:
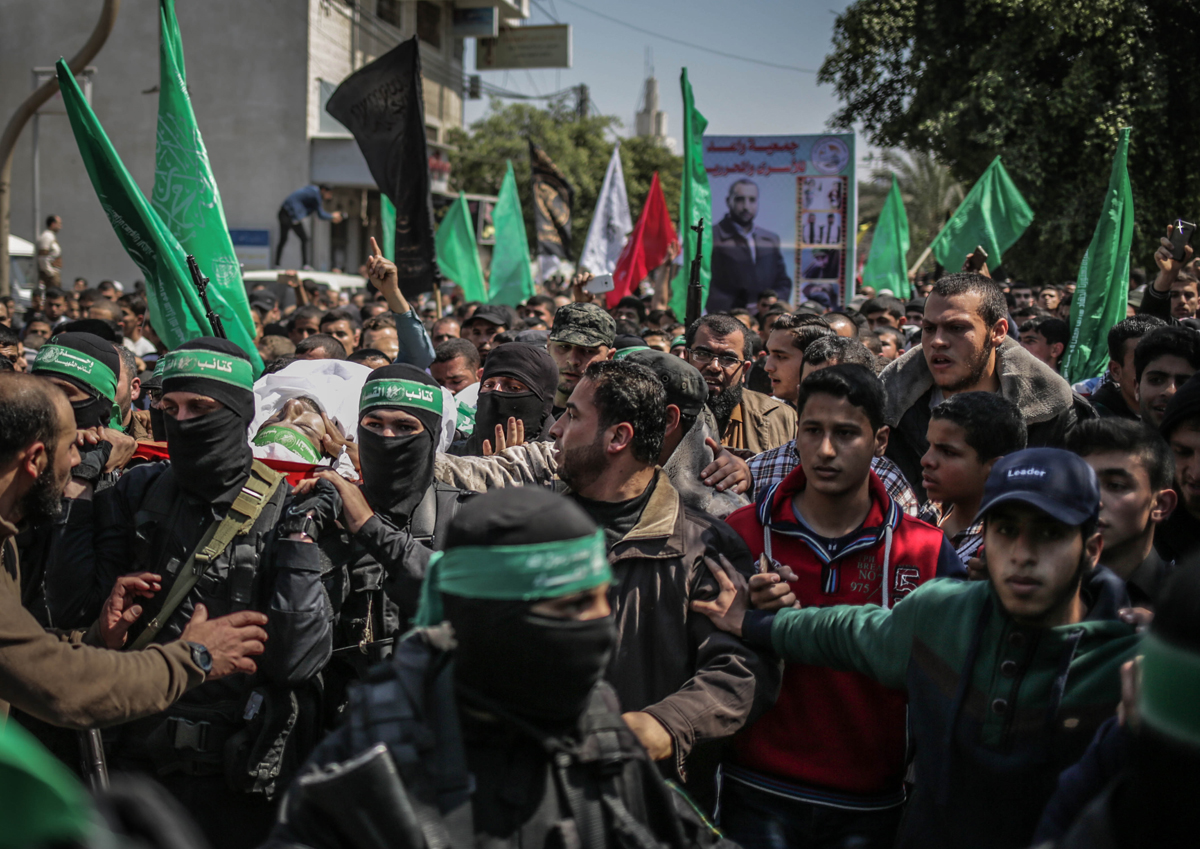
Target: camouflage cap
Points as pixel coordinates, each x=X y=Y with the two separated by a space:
x=583 y=324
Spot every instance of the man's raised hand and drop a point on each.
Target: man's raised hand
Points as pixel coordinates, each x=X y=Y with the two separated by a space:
x=231 y=640
x=728 y=610
x=121 y=609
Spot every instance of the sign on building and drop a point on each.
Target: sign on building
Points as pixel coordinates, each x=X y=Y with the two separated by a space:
x=518 y=48
x=252 y=248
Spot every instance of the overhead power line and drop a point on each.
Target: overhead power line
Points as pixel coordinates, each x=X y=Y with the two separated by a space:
x=694 y=46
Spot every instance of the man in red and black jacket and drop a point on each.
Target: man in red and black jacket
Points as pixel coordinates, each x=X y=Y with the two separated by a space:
x=825 y=766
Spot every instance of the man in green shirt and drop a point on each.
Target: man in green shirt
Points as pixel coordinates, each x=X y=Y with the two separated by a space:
x=1007 y=679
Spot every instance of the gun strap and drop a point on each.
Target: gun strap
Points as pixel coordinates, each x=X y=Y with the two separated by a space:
x=246 y=508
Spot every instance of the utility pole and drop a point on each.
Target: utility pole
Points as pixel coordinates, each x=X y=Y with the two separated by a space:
x=8 y=141
x=581 y=101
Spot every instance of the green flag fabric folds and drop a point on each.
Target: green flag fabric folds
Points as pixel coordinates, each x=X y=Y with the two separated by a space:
x=1102 y=288
x=457 y=255
x=511 y=279
x=186 y=197
x=993 y=214
x=387 y=217
x=695 y=202
x=887 y=266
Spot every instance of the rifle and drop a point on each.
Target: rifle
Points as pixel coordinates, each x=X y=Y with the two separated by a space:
x=91 y=759
x=201 y=284
x=695 y=292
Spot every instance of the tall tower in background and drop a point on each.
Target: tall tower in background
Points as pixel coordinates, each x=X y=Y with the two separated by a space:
x=650 y=120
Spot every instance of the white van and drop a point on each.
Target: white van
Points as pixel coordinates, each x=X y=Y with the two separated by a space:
x=22 y=275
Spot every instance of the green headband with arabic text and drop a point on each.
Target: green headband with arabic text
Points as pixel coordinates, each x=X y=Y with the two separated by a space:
x=209 y=365
x=72 y=363
x=396 y=392
x=513 y=573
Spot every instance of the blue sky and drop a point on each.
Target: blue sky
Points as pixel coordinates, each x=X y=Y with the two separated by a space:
x=737 y=97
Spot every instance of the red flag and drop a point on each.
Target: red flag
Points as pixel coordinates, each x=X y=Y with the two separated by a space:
x=647 y=247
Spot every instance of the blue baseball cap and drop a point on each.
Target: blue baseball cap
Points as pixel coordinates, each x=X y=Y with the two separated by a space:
x=1055 y=481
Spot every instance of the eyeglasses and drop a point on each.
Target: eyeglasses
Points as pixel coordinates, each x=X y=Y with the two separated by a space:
x=703 y=356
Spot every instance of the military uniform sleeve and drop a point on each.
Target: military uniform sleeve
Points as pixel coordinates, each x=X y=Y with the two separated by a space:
x=61 y=681
x=74 y=591
x=734 y=683
x=858 y=638
x=416 y=348
x=531 y=463
x=300 y=618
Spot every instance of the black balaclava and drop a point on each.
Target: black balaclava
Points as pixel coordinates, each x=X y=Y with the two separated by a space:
x=210 y=454
x=397 y=471
x=538 y=668
x=86 y=364
x=532 y=366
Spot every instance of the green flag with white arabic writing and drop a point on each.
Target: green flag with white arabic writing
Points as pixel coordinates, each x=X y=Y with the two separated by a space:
x=175 y=308
x=887 y=265
x=186 y=197
x=457 y=255
x=993 y=214
x=1102 y=289
x=511 y=280
x=695 y=202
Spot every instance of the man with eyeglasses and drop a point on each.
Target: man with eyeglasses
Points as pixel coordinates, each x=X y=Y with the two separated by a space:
x=749 y=421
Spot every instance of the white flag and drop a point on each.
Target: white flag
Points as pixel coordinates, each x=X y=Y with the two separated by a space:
x=611 y=223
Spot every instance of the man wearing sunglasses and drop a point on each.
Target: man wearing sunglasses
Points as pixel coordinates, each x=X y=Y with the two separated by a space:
x=749 y=421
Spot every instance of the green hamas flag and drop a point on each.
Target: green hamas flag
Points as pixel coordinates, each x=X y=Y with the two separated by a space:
x=1102 y=289
x=511 y=279
x=457 y=256
x=175 y=308
x=695 y=202
x=387 y=220
x=887 y=266
x=993 y=214
x=186 y=197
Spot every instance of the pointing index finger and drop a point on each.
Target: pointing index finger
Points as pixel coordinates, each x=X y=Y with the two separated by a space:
x=375 y=248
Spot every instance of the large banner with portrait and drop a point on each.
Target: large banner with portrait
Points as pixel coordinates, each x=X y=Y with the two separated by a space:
x=783 y=213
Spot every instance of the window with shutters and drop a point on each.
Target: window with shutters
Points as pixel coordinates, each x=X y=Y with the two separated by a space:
x=388 y=11
x=429 y=23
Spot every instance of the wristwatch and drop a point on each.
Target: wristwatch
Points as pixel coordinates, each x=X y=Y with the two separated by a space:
x=201 y=657
x=302 y=523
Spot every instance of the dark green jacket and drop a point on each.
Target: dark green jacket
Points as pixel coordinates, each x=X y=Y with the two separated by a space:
x=996 y=709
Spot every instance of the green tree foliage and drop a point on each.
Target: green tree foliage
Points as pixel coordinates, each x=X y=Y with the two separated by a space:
x=580 y=147
x=1045 y=83
x=930 y=194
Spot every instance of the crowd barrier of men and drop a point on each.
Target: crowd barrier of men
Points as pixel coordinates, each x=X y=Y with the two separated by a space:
x=566 y=576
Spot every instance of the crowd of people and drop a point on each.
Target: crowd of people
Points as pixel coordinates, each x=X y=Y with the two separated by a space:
x=456 y=574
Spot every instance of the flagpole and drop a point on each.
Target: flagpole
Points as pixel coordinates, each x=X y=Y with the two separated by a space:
x=912 y=272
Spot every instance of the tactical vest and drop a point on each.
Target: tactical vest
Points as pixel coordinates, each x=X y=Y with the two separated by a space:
x=254 y=733
x=611 y=791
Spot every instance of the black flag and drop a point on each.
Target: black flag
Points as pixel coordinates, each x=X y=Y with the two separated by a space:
x=553 y=198
x=382 y=105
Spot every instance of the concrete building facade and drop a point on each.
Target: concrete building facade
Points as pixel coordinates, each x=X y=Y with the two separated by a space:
x=259 y=74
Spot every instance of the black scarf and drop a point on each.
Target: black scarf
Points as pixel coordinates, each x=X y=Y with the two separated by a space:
x=210 y=454
x=397 y=471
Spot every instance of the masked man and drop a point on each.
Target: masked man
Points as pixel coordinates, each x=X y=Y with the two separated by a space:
x=518 y=382
x=500 y=731
x=390 y=527
x=205 y=523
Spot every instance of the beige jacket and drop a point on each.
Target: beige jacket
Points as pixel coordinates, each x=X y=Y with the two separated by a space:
x=55 y=677
x=759 y=424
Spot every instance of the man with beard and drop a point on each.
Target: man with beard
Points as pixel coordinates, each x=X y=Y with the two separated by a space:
x=749 y=421
x=965 y=348
x=390 y=526
x=684 y=686
x=1007 y=679
x=51 y=675
x=746 y=260
x=205 y=526
x=1179 y=536
x=495 y=726
x=517 y=386
x=582 y=334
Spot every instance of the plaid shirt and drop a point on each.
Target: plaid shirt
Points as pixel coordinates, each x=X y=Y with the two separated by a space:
x=770 y=467
x=966 y=542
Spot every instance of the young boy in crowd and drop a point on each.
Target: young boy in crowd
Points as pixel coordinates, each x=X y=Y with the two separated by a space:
x=1117 y=396
x=967 y=434
x=1046 y=339
x=828 y=759
x=1007 y=679
x=1164 y=358
x=1136 y=472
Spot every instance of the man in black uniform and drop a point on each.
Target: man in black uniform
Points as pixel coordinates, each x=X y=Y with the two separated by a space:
x=205 y=526
x=375 y=562
x=496 y=728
